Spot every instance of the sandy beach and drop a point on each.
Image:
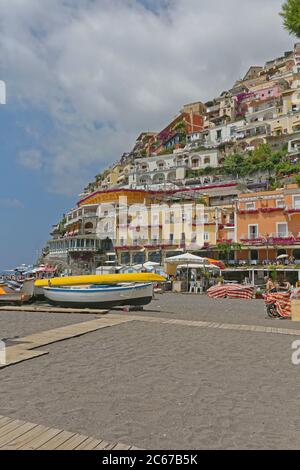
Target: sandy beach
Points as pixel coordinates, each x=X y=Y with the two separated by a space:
x=156 y=385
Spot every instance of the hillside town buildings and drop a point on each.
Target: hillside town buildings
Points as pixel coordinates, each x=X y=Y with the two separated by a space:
x=181 y=165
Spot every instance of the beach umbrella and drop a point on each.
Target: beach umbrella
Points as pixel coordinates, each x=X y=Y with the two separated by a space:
x=197 y=266
x=282 y=256
x=150 y=264
x=185 y=258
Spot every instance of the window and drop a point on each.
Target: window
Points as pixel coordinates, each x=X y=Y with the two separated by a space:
x=252 y=231
x=171 y=238
x=282 y=229
x=206 y=236
x=205 y=218
x=219 y=134
x=296 y=202
x=231 y=218
x=280 y=203
x=230 y=235
x=206 y=160
x=250 y=206
x=254 y=255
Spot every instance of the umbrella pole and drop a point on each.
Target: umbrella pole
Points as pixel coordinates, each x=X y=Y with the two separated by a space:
x=187 y=278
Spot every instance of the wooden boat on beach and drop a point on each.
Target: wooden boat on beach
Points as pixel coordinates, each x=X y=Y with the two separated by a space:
x=100 y=296
x=8 y=296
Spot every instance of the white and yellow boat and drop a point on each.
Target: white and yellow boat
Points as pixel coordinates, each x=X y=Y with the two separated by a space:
x=100 y=296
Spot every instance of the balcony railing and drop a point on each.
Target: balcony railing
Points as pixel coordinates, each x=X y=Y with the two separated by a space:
x=292 y=210
x=253 y=239
x=247 y=211
x=276 y=238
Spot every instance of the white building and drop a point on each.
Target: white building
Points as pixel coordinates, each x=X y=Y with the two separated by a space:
x=170 y=168
x=224 y=133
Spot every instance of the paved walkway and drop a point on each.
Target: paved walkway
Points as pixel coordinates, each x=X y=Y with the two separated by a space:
x=223 y=326
x=21 y=435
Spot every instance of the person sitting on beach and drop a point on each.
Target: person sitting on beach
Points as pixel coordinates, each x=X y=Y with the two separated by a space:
x=284 y=285
x=271 y=286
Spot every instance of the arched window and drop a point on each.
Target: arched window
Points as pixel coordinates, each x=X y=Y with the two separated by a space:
x=206 y=160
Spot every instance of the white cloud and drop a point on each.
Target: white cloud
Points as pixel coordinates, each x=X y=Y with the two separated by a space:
x=105 y=70
x=31 y=159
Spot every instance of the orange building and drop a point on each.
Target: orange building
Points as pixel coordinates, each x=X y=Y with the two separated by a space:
x=268 y=224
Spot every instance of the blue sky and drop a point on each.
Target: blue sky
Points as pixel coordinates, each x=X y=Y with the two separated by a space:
x=27 y=208
x=85 y=77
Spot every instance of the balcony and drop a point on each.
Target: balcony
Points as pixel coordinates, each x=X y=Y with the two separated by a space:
x=73 y=220
x=152 y=244
x=270 y=239
x=90 y=214
x=247 y=211
x=82 y=249
x=292 y=210
x=266 y=210
x=281 y=238
x=256 y=239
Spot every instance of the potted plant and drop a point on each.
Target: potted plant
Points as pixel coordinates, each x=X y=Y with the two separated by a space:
x=259 y=294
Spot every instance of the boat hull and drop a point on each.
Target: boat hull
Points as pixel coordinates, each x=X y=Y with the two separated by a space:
x=100 y=297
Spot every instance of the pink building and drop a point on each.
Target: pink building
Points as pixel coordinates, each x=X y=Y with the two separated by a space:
x=269 y=92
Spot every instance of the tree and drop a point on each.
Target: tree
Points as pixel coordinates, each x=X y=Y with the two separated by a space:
x=262 y=152
x=297 y=180
x=232 y=164
x=291 y=16
x=227 y=248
